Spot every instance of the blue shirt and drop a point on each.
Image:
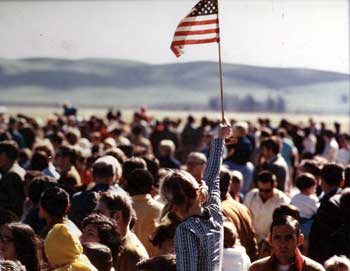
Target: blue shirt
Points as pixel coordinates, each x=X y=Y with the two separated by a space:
x=199 y=239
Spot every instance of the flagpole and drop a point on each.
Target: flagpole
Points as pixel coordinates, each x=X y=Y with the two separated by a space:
x=221 y=87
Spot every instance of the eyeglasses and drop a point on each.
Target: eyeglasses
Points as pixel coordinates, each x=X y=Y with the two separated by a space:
x=265 y=190
x=5 y=239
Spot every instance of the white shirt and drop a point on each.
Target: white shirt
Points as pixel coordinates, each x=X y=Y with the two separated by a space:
x=235 y=259
x=262 y=211
x=343 y=156
x=309 y=144
x=307 y=204
x=330 y=151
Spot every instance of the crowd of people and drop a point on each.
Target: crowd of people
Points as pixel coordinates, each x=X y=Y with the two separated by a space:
x=101 y=193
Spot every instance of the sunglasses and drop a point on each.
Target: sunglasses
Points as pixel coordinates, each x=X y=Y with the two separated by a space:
x=265 y=190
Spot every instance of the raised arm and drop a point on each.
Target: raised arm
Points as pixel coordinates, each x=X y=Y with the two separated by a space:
x=212 y=170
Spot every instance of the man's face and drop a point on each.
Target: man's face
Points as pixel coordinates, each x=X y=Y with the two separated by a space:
x=284 y=242
x=265 y=190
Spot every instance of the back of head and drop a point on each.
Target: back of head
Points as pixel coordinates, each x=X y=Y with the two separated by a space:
x=106 y=167
x=158 y=263
x=305 y=181
x=225 y=181
x=69 y=152
x=332 y=174
x=196 y=158
x=230 y=234
x=240 y=129
x=55 y=201
x=140 y=182
x=10 y=148
x=166 y=147
x=131 y=164
x=271 y=143
x=99 y=255
x=39 y=185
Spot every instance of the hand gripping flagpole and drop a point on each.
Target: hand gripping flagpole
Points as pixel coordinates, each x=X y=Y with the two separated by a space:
x=220 y=73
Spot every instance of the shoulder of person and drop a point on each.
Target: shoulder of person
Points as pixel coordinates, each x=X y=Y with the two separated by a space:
x=311 y=265
x=260 y=265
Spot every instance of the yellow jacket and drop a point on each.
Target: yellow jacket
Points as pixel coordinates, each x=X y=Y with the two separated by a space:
x=64 y=251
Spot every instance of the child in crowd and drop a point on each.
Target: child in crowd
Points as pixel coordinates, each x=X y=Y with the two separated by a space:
x=199 y=237
x=307 y=203
x=235 y=256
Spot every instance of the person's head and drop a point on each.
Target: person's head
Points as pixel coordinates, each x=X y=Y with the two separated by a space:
x=225 y=182
x=180 y=191
x=65 y=158
x=117 y=154
x=140 y=182
x=37 y=186
x=158 y=263
x=153 y=167
x=54 y=204
x=17 y=242
x=286 y=210
x=62 y=247
x=106 y=169
x=8 y=154
x=331 y=176
x=306 y=183
x=285 y=237
x=166 y=148
x=337 y=263
x=117 y=207
x=240 y=129
x=270 y=147
x=39 y=161
x=99 y=255
x=195 y=164
x=236 y=182
x=310 y=166
x=266 y=184
x=101 y=229
x=129 y=165
x=7 y=265
x=328 y=135
x=230 y=234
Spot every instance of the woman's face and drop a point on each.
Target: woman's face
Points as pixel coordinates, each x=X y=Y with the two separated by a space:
x=7 y=247
x=90 y=234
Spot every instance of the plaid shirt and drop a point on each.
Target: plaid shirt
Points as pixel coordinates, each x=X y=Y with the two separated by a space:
x=199 y=239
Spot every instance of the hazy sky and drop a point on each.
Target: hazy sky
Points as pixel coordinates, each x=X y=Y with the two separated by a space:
x=281 y=33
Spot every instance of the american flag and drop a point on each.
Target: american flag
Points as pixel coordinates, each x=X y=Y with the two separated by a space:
x=201 y=25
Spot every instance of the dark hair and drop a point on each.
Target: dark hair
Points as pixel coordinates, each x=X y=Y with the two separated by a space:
x=99 y=255
x=68 y=151
x=266 y=176
x=286 y=220
x=229 y=230
x=345 y=203
x=116 y=202
x=332 y=174
x=6 y=216
x=163 y=232
x=117 y=154
x=305 y=181
x=153 y=167
x=39 y=161
x=25 y=244
x=140 y=182
x=158 y=263
x=347 y=177
x=131 y=164
x=271 y=143
x=225 y=181
x=10 y=148
x=39 y=185
x=55 y=201
x=311 y=166
x=102 y=170
x=106 y=229
x=284 y=210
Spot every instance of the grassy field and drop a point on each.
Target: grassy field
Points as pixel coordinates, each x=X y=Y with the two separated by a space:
x=43 y=112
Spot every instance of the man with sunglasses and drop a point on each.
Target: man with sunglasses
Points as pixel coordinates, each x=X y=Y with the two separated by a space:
x=262 y=201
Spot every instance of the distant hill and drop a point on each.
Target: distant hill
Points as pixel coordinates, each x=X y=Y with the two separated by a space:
x=126 y=83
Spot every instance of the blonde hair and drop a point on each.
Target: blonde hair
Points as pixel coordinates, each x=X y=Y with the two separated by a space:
x=180 y=188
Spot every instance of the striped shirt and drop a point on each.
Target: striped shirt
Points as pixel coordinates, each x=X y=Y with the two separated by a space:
x=199 y=239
